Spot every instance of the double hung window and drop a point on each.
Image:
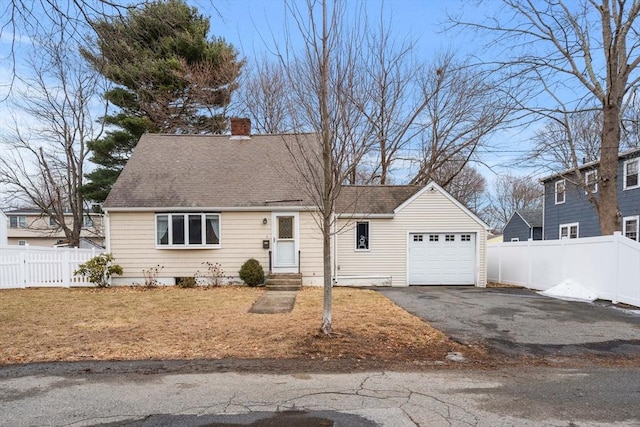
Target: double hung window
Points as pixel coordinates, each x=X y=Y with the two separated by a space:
x=630 y=171
x=630 y=227
x=17 y=221
x=560 y=191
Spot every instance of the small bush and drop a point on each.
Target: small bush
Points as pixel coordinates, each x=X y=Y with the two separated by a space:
x=252 y=273
x=99 y=270
x=212 y=276
x=151 y=276
x=186 y=282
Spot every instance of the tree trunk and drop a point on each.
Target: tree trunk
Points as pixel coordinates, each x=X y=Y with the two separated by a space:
x=609 y=214
x=326 y=327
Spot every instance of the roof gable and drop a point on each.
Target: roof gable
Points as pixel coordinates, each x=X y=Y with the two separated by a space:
x=432 y=186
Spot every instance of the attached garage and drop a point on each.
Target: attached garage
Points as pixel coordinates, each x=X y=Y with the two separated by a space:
x=404 y=235
x=442 y=259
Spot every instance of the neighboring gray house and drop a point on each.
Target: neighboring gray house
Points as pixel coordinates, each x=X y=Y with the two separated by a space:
x=568 y=212
x=523 y=225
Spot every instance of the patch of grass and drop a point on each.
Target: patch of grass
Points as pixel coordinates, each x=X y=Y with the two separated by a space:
x=41 y=325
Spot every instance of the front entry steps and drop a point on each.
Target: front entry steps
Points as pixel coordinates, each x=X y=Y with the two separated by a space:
x=284 y=281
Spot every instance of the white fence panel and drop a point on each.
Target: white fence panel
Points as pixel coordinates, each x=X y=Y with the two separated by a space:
x=606 y=265
x=32 y=266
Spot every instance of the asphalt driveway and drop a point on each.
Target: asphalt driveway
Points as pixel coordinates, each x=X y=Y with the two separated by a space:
x=521 y=322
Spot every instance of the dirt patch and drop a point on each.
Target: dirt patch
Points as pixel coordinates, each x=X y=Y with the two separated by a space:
x=134 y=324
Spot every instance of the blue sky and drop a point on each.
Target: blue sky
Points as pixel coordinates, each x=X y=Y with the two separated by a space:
x=255 y=26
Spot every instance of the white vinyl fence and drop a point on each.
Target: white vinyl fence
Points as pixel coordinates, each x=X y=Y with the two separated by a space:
x=35 y=266
x=606 y=265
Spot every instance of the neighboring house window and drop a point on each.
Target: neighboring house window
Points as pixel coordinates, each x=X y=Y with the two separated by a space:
x=630 y=174
x=630 y=227
x=560 y=191
x=17 y=221
x=569 y=231
x=362 y=236
x=88 y=222
x=591 y=181
x=188 y=230
x=52 y=222
x=22 y=243
x=515 y=239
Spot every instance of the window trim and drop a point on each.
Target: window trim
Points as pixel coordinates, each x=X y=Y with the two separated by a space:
x=624 y=226
x=186 y=244
x=594 y=183
x=568 y=227
x=368 y=248
x=624 y=173
x=22 y=243
x=564 y=191
x=19 y=224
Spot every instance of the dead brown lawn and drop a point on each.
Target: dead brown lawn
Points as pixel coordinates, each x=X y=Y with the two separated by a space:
x=39 y=325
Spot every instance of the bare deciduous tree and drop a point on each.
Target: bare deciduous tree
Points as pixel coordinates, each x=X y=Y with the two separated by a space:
x=462 y=110
x=322 y=84
x=44 y=165
x=263 y=98
x=573 y=54
x=389 y=97
x=568 y=141
x=463 y=182
x=511 y=193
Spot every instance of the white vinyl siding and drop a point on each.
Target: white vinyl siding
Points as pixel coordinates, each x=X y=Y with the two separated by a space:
x=133 y=244
x=431 y=212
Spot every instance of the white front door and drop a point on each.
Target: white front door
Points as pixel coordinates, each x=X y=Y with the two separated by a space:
x=285 y=242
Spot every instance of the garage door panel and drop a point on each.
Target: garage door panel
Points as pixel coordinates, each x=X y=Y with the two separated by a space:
x=442 y=258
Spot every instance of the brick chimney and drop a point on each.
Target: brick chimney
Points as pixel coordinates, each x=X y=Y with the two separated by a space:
x=240 y=127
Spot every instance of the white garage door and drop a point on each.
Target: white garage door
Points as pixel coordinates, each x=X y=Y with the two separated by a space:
x=442 y=258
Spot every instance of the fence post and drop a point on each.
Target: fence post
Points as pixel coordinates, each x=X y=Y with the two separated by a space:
x=616 y=241
x=24 y=266
x=66 y=268
x=529 y=269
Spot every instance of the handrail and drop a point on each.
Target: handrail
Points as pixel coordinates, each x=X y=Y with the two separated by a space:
x=299 y=261
x=270 y=269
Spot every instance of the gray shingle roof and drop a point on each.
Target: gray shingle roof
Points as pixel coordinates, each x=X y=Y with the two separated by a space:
x=381 y=199
x=216 y=171
x=533 y=217
x=206 y=171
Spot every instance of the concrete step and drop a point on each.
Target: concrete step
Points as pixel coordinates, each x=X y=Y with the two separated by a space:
x=284 y=282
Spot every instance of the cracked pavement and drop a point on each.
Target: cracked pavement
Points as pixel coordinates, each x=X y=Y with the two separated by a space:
x=529 y=396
